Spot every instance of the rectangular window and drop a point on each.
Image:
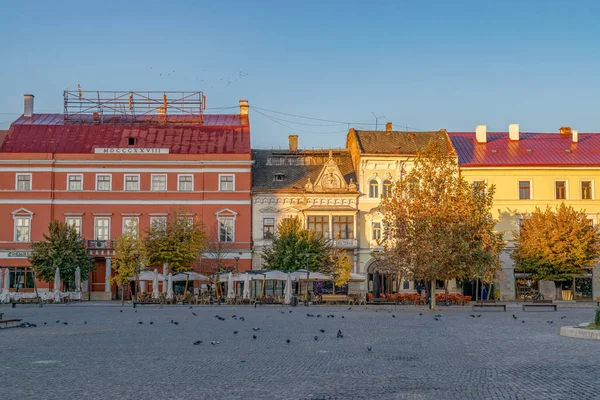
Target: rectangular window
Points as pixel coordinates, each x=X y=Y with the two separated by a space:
x=186 y=183
x=75 y=183
x=319 y=224
x=343 y=227
x=131 y=226
x=20 y=278
x=75 y=222
x=103 y=183
x=268 y=228
x=159 y=183
x=560 y=190
x=226 y=183
x=376 y=235
x=524 y=190
x=159 y=223
x=23 y=182
x=226 y=231
x=132 y=183
x=102 y=229
x=586 y=190
x=22 y=229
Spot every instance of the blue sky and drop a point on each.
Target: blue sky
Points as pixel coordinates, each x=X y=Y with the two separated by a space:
x=421 y=64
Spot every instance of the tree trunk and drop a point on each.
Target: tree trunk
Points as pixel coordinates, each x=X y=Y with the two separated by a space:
x=558 y=290
x=432 y=294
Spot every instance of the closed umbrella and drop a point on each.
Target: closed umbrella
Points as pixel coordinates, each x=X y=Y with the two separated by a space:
x=288 y=289
x=247 y=293
x=230 y=288
x=170 y=287
x=57 y=285
x=5 y=297
x=78 y=280
x=191 y=276
x=155 y=293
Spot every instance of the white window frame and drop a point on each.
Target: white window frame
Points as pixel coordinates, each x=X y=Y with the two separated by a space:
x=67 y=219
x=17 y=182
x=16 y=236
x=232 y=183
x=159 y=218
x=263 y=227
x=96 y=227
x=179 y=176
x=530 y=189
x=69 y=182
x=581 y=191
x=229 y=218
x=109 y=182
x=125 y=182
x=378 y=194
x=124 y=225
x=566 y=181
x=373 y=230
x=152 y=182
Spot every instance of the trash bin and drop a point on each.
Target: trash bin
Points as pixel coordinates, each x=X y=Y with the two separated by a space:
x=293 y=301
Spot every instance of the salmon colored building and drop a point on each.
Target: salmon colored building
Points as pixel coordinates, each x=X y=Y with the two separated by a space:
x=103 y=170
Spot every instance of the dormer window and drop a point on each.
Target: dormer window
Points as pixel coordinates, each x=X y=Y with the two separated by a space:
x=279 y=177
x=131 y=141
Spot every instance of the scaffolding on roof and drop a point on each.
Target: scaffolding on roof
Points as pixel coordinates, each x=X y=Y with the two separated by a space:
x=133 y=107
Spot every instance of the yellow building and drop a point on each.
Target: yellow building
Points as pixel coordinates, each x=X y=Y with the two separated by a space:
x=533 y=170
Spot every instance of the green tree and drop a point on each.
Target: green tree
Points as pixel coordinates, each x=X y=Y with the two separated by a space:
x=339 y=266
x=555 y=245
x=124 y=261
x=180 y=242
x=64 y=248
x=290 y=245
x=438 y=226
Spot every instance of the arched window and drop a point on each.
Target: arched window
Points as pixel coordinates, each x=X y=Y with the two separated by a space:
x=387 y=188
x=373 y=188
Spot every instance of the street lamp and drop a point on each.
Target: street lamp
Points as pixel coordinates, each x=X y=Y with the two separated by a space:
x=307 y=255
x=237 y=259
x=137 y=276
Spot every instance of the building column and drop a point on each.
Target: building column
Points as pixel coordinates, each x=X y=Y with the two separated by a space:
x=165 y=269
x=107 y=287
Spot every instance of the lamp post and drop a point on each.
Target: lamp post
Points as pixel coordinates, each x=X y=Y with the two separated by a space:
x=137 y=276
x=307 y=255
x=237 y=259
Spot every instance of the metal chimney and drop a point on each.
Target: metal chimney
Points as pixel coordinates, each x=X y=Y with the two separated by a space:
x=28 y=109
x=481 y=133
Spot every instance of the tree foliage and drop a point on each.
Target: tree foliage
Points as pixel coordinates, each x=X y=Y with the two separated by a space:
x=64 y=248
x=179 y=242
x=339 y=266
x=290 y=245
x=438 y=226
x=554 y=245
x=124 y=261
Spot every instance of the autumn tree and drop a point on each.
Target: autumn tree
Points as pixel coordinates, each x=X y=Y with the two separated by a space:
x=438 y=226
x=179 y=242
x=555 y=245
x=338 y=266
x=124 y=262
x=292 y=243
x=64 y=248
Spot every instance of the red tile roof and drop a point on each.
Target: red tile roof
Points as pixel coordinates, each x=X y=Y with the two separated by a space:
x=48 y=133
x=532 y=149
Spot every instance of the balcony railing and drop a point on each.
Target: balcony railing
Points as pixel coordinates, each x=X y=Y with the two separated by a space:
x=100 y=244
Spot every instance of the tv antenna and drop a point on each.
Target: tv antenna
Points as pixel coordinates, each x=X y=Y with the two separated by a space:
x=377 y=119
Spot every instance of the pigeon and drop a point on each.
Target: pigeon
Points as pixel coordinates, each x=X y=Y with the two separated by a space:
x=563 y=317
x=135 y=311
x=393 y=316
x=308 y=315
x=339 y=334
x=349 y=308
x=121 y=310
x=438 y=315
x=316 y=338
x=420 y=313
x=478 y=315
x=253 y=336
x=65 y=323
x=140 y=322
x=235 y=332
x=242 y=319
x=151 y=322
x=216 y=316
x=436 y=318
x=287 y=340
x=85 y=322
x=318 y=315
x=515 y=317
x=57 y=322
x=256 y=329
x=290 y=311
x=342 y=316
x=214 y=342
x=176 y=323
x=322 y=330
x=44 y=323
x=472 y=316
x=194 y=314
x=523 y=322
x=369 y=348
x=283 y=312
x=197 y=342
x=190 y=307
x=549 y=322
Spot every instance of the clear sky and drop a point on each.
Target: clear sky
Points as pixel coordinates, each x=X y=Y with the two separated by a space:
x=423 y=64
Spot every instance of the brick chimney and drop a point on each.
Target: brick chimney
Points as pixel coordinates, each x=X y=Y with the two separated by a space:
x=244 y=107
x=293 y=139
x=388 y=127
x=575 y=133
x=565 y=130
x=28 y=108
x=481 y=133
x=513 y=131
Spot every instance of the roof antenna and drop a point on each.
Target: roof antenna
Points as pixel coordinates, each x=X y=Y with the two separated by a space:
x=377 y=119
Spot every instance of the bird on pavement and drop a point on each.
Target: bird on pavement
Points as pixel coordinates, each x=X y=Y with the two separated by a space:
x=393 y=316
x=316 y=338
x=472 y=316
x=194 y=314
x=140 y=322
x=287 y=340
x=437 y=319
x=420 y=313
x=369 y=348
x=322 y=330
x=339 y=334
x=65 y=323
x=478 y=315
x=235 y=332
x=522 y=322
x=563 y=317
x=515 y=317
x=197 y=342
x=549 y=322
x=151 y=323
x=253 y=336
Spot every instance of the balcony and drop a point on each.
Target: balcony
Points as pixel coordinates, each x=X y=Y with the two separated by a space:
x=100 y=244
x=345 y=243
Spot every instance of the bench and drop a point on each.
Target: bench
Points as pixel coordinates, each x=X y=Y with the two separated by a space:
x=539 y=303
x=29 y=300
x=334 y=298
x=482 y=304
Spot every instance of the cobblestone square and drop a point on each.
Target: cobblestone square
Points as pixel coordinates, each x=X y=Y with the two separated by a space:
x=108 y=352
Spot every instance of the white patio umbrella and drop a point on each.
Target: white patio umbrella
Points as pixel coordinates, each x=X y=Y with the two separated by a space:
x=155 y=293
x=78 y=280
x=275 y=276
x=148 y=276
x=230 y=287
x=5 y=296
x=356 y=277
x=193 y=276
x=288 y=289
x=313 y=276
x=170 y=287
x=57 y=285
x=247 y=293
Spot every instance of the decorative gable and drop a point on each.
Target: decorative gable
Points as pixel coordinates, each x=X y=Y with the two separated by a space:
x=330 y=178
x=22 y=212
x=225 y=213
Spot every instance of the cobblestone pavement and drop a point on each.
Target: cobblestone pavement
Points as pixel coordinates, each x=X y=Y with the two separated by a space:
x=412 y=356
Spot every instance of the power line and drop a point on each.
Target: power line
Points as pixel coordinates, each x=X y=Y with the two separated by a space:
x=316 y=119
x=298 y=129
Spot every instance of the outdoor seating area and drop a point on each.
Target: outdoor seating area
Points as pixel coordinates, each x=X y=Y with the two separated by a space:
x=447 y=299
